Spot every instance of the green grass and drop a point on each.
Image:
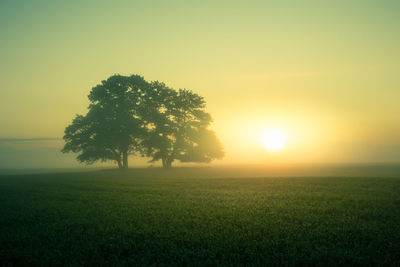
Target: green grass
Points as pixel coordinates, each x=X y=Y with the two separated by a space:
x=197 y=217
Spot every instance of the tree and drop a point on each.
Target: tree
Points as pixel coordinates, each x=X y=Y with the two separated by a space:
x=113 y=127
x=178 y=128
x=129 y=115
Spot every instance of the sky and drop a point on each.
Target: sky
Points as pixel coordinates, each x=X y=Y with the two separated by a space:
x=326 y=73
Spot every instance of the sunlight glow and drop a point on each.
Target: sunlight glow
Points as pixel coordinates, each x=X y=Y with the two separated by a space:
x=273 y=140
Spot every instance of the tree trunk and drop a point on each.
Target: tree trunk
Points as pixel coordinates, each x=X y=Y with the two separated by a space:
x=119 y=164
x=125 y=159
x=166 y=163
x=163 y=162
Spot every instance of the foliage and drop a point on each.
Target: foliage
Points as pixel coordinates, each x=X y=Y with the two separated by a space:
x=112 y=127
x=128 y=115
x=122 y=218
x=179 y=131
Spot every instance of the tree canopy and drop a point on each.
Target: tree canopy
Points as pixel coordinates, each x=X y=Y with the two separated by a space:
x=128 y=115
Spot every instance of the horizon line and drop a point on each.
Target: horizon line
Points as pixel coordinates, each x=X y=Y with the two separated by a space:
x=30 y=139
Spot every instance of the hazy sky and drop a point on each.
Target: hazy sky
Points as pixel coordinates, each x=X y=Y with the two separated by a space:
x=325 y=72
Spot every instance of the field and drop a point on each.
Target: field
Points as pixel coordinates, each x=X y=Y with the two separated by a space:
x=197 y=217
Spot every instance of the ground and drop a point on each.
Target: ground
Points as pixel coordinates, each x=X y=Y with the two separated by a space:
x=197 y=217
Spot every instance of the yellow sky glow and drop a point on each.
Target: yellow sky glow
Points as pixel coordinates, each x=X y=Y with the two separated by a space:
x=325 y=73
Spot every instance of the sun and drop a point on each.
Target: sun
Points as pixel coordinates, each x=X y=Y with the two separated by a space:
x=273 y=140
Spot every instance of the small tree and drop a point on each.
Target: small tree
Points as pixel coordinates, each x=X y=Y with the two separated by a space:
x=178 y=128
x=113 y=126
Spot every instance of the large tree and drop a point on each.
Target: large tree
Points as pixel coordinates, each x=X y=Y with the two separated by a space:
x=128 y=115
x=113 y=126
x=178 y=128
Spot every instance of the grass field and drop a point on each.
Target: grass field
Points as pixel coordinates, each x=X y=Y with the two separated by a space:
x=197 y=217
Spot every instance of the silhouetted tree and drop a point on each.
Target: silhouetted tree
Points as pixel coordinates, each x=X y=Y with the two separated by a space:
x=128 y=115
x=113 y=126
x=178 y=128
